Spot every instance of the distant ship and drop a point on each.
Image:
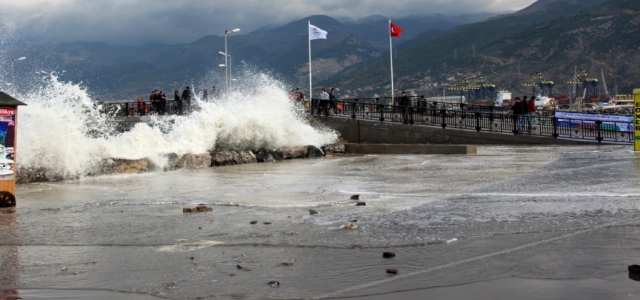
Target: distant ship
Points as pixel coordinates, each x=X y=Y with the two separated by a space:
x=503 y=98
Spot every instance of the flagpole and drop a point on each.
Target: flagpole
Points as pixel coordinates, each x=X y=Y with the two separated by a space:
x=391 y=56
x=310 y=82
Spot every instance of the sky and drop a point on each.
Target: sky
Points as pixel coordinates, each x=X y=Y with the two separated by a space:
x=138 y=22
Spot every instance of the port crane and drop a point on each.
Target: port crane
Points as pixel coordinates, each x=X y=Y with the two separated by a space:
x=540 y=81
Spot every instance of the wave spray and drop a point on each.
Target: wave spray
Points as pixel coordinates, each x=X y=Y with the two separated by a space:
x=65 y=136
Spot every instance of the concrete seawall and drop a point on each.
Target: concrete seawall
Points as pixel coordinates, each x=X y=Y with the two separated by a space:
x=376 y=132
x=409 y=149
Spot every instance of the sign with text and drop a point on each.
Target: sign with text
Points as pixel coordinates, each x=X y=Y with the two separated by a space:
x=7 y=142
x=636 y=115
x=609 y=122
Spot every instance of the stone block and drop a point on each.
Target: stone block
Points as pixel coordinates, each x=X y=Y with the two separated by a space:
x=194 y=161
x=334 y=148
x=313 y=151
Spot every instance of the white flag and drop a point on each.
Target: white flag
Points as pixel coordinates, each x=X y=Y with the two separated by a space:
x=316 y=33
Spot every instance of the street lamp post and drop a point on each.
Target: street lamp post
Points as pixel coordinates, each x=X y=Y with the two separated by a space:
x=13 y=74
x=226 y=78
x=229 y=71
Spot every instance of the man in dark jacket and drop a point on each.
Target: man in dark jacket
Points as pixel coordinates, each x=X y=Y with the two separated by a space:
x=332 y=101
x=516 y=110
x=405 y=104
x=186 y=99
x=176 y=97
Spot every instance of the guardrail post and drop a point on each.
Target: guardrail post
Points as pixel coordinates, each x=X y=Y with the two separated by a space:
x=126 y=109
x=353 y=115
x=515 y=124
x=598 y=125
x=477 y=121
x=555 y=127
x=444 y=120
x=411 y=111
x=381 y=108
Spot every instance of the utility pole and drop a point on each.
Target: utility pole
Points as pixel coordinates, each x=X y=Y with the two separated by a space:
x=473 y=51
x=604 y=83
x=455 y=54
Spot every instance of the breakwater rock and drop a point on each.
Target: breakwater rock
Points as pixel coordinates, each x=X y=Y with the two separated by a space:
x=215 y=158
x=230 y=158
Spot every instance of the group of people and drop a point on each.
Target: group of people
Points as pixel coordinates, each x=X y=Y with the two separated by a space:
x=158 y=100
x=327 y=102
x=214 y=93
x=524 y=110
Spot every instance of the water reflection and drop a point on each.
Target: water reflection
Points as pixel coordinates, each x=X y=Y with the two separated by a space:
x=9 y=259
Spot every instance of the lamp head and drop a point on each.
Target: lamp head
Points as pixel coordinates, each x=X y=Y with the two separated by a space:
x=222 y=53
x=235 y=30
x=221 y=65
x=22 y=58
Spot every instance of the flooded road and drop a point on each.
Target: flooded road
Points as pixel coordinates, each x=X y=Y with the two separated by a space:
x=507 y=217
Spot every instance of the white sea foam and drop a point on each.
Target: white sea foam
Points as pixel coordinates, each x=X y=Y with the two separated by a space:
x=59 y=130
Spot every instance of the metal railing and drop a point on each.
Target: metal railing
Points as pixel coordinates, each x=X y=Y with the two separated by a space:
x=146 y=108
x=492 y=119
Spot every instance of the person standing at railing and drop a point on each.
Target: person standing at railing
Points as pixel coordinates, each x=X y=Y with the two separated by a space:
x=140 y=106
x=152 y=101
x=214 y=92
x=516 y=110
x=186 y=99
x=405 y=104
x=176 y=97
x=162 y=103
x=531 y=111
x=332 y=101
x=323 y=106
x=300 y=98
x=524 y=110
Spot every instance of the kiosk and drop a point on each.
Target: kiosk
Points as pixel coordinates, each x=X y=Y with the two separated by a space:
x=8 y=143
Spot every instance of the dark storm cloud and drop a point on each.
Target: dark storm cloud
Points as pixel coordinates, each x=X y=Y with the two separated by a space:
x=173 y=21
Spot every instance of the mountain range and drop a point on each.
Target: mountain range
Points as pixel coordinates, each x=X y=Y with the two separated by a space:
x=121 y=72
x=554 y=37
x=550 y=36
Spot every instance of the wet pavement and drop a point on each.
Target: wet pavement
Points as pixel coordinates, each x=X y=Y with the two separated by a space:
x=536 y=222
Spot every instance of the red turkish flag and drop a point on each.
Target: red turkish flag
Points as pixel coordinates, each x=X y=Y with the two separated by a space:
x=395 y=30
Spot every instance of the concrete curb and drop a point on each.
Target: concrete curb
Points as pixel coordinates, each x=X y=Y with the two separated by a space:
x=409 y=149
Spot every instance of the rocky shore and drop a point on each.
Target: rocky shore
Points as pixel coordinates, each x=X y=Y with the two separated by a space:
x=214 y=158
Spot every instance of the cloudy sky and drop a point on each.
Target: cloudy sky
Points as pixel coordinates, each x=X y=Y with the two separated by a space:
x=135 y=22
